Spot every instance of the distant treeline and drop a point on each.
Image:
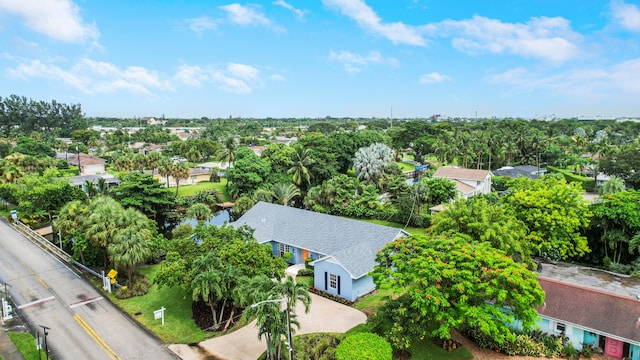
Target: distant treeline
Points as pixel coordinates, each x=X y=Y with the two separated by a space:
x=22 y=116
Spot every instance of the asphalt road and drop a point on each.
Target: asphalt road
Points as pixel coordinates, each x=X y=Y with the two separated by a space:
x=82 y=324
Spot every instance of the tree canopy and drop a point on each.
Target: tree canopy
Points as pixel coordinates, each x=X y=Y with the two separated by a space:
x=454 y=283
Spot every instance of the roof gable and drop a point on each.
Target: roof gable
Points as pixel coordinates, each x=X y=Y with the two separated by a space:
x=352 y=243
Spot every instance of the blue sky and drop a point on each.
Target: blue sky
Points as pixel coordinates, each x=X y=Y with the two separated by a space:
x=317 y=58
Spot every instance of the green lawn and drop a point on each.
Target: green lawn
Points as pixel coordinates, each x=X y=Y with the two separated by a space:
x=179 y=327
x=405 y=166
x=190 y=190
x=25 y=344
x=427 y=350
x=410 y=230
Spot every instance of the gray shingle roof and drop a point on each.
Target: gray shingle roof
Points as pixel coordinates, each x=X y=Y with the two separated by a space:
x=352 y=243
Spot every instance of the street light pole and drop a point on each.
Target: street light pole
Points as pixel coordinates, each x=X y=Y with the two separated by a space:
x=46 y=349
x=286 y=301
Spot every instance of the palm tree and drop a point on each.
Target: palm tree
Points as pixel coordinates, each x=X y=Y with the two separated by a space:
x=132 y=243
x=228 y=154
x=71 y=224
x=284 y=193
x=90 y=188
x=180 y=171
x=200 y=212
x=10 y=172
x=612 y=186
x=371 y=161
x=165 y=165
x=152 y=159
x=301 y=160
x=207 y=282
x=102 y=224
x=193 y=154
x=124 y=163
x=262 y=195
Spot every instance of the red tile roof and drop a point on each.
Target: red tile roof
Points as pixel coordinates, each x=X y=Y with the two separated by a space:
x=593 y=309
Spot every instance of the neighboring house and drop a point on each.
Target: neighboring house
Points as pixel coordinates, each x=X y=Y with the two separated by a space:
x=196 y=175
x=591 y=306
x=528 y=171
x=146 y=150
x=258 y=149
x=469 y=182
x=80 y=181
x=343 y=250
x=88 y=164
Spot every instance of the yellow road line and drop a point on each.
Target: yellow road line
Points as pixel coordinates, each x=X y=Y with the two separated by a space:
x=46 y=286
x=112 y=354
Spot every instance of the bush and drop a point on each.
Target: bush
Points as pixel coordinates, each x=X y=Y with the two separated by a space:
x=330 y=296
x=140 y=287
x=588 y=184
x=366 y=346
x=305 y=272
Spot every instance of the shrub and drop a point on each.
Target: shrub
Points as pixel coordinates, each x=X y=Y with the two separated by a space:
x=140 y=287
x=330 y=296
x=305 y=272
x=366 y=346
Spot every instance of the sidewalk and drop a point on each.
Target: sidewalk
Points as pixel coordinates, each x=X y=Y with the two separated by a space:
x=8 y=350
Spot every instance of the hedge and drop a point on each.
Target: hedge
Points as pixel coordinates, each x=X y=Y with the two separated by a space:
x=364 y=346
x=588 y=184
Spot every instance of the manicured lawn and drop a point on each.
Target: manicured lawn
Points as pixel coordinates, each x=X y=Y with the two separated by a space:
x=427 y=350
x=25 y=344
x=179 y=327
x=190 y=190
x=307 y=280
x=405 y=166
x=410 y=230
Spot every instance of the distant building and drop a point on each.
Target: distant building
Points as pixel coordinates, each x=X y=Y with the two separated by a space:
x=88 y=164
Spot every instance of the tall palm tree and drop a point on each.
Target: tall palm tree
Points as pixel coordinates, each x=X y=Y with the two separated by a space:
x=152 y=159
x=228 y=153
x=284 y=193
x=301 y=160
x=180 y=171
x=165 y=165
x=193 y=154
x=71 y=224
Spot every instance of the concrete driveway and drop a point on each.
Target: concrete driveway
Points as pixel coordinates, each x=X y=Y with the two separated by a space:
x=324 y=316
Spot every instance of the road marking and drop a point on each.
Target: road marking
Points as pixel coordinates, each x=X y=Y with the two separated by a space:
x=112 y=354
x=37 y=302
x=39 y=279
x=84 y=302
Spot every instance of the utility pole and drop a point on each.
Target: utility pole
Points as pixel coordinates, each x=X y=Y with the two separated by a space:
x=46 y=348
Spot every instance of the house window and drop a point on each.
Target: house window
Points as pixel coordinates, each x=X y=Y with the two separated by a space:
x=284 y=248
x=333 y=281
x=560 y=327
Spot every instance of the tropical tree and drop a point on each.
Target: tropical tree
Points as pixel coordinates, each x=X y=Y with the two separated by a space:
x=370 y=162
x=200 y=212
x=482 y=221
x=284 y=193
x=131 y=244
x=102 y=224
x=555 y=215
x=165 y=165
x=179 y=171
x=455 y=283
x=228 y=153
x=612 y=186
x=301 y=160
x=207 y=282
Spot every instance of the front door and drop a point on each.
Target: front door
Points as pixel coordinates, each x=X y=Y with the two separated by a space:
x=613 y=348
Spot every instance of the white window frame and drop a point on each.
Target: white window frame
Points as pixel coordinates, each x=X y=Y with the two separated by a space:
x=333 y=281
x=284 y=248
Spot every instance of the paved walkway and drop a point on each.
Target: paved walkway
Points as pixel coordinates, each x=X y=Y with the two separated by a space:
x=325 y=316
x=8 y=350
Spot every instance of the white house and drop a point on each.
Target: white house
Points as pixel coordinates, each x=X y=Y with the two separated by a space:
x=469 y=182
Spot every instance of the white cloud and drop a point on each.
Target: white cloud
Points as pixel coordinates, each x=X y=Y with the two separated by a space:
x=58 y=19
x=90 y=76
x=277 y=77
x=243 y=71
x=354 y=63
x=284 y=4
x=231 y=84
x=249 y=15
x=545 y=38
x=191 y=75
x=433 y=78
x=626 y=15
x=201 y=24
x=618 y=79
x=397 y=33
